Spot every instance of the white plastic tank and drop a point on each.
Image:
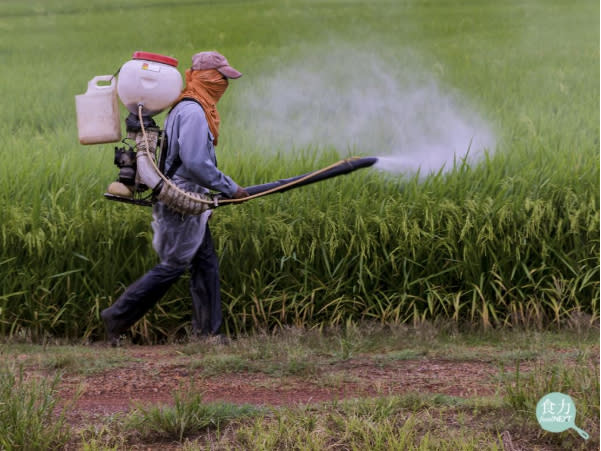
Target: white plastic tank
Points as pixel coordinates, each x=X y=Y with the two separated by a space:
x=149 y=79
x=98 y=112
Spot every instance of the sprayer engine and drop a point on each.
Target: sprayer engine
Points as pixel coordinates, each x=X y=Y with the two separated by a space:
x=125 y=160
x=125 y=156
x=141 y=180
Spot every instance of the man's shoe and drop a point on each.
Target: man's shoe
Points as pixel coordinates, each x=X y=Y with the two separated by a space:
x=113 y=341
x=112 y=336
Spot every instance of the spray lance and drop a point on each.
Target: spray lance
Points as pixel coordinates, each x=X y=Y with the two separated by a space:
x=146 y=85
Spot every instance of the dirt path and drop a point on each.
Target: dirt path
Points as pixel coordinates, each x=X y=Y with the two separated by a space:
x=151 y=375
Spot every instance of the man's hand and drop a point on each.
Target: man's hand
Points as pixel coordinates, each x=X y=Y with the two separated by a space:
x=240 y=193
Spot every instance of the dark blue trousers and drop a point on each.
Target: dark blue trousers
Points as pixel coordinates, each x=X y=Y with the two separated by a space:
x=145 y=292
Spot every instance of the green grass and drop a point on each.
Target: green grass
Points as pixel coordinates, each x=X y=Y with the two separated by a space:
x=189 y=415
x=523 y=391
x=379 y=424
x=393 y=343
x=395 y=422
x=70 y=359
x=512 y=241
x=27 y=412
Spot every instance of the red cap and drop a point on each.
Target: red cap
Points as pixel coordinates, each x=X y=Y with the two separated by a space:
x=155 y=57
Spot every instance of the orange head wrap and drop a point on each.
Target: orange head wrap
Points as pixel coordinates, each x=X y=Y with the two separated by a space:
x=206 y=87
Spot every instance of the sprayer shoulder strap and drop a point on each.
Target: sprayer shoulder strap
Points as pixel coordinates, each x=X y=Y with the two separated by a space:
x=177 y=162
x=192 y=99
x=163 y=151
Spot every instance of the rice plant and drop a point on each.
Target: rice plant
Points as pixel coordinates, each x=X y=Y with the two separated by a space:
x=509 y=240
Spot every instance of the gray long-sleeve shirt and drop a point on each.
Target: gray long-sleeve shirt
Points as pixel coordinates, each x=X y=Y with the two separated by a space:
x=177 y=237
x=189 y=136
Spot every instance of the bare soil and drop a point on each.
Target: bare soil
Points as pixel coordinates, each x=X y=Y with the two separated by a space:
x=153 y=373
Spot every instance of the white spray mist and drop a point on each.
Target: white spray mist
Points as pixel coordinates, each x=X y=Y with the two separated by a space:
x=359 y=103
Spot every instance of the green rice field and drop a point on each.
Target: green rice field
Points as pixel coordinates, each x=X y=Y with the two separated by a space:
x=508 y=238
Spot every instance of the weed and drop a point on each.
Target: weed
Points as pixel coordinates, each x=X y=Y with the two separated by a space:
x=189 y=415
x=524 y=388
x=27 y=412
x=380 y=424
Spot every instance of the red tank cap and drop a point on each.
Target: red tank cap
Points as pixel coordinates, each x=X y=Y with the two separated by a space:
x=155 y=57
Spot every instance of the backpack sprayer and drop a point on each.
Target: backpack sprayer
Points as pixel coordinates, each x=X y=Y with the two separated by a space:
x=146 y=85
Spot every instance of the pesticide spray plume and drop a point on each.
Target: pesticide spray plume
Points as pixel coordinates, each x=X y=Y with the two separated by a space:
x=361 y=102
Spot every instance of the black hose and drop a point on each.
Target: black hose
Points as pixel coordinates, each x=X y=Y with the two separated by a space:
x=344 y=167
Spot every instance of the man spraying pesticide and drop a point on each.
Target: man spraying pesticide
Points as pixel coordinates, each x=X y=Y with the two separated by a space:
x=173 y=170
